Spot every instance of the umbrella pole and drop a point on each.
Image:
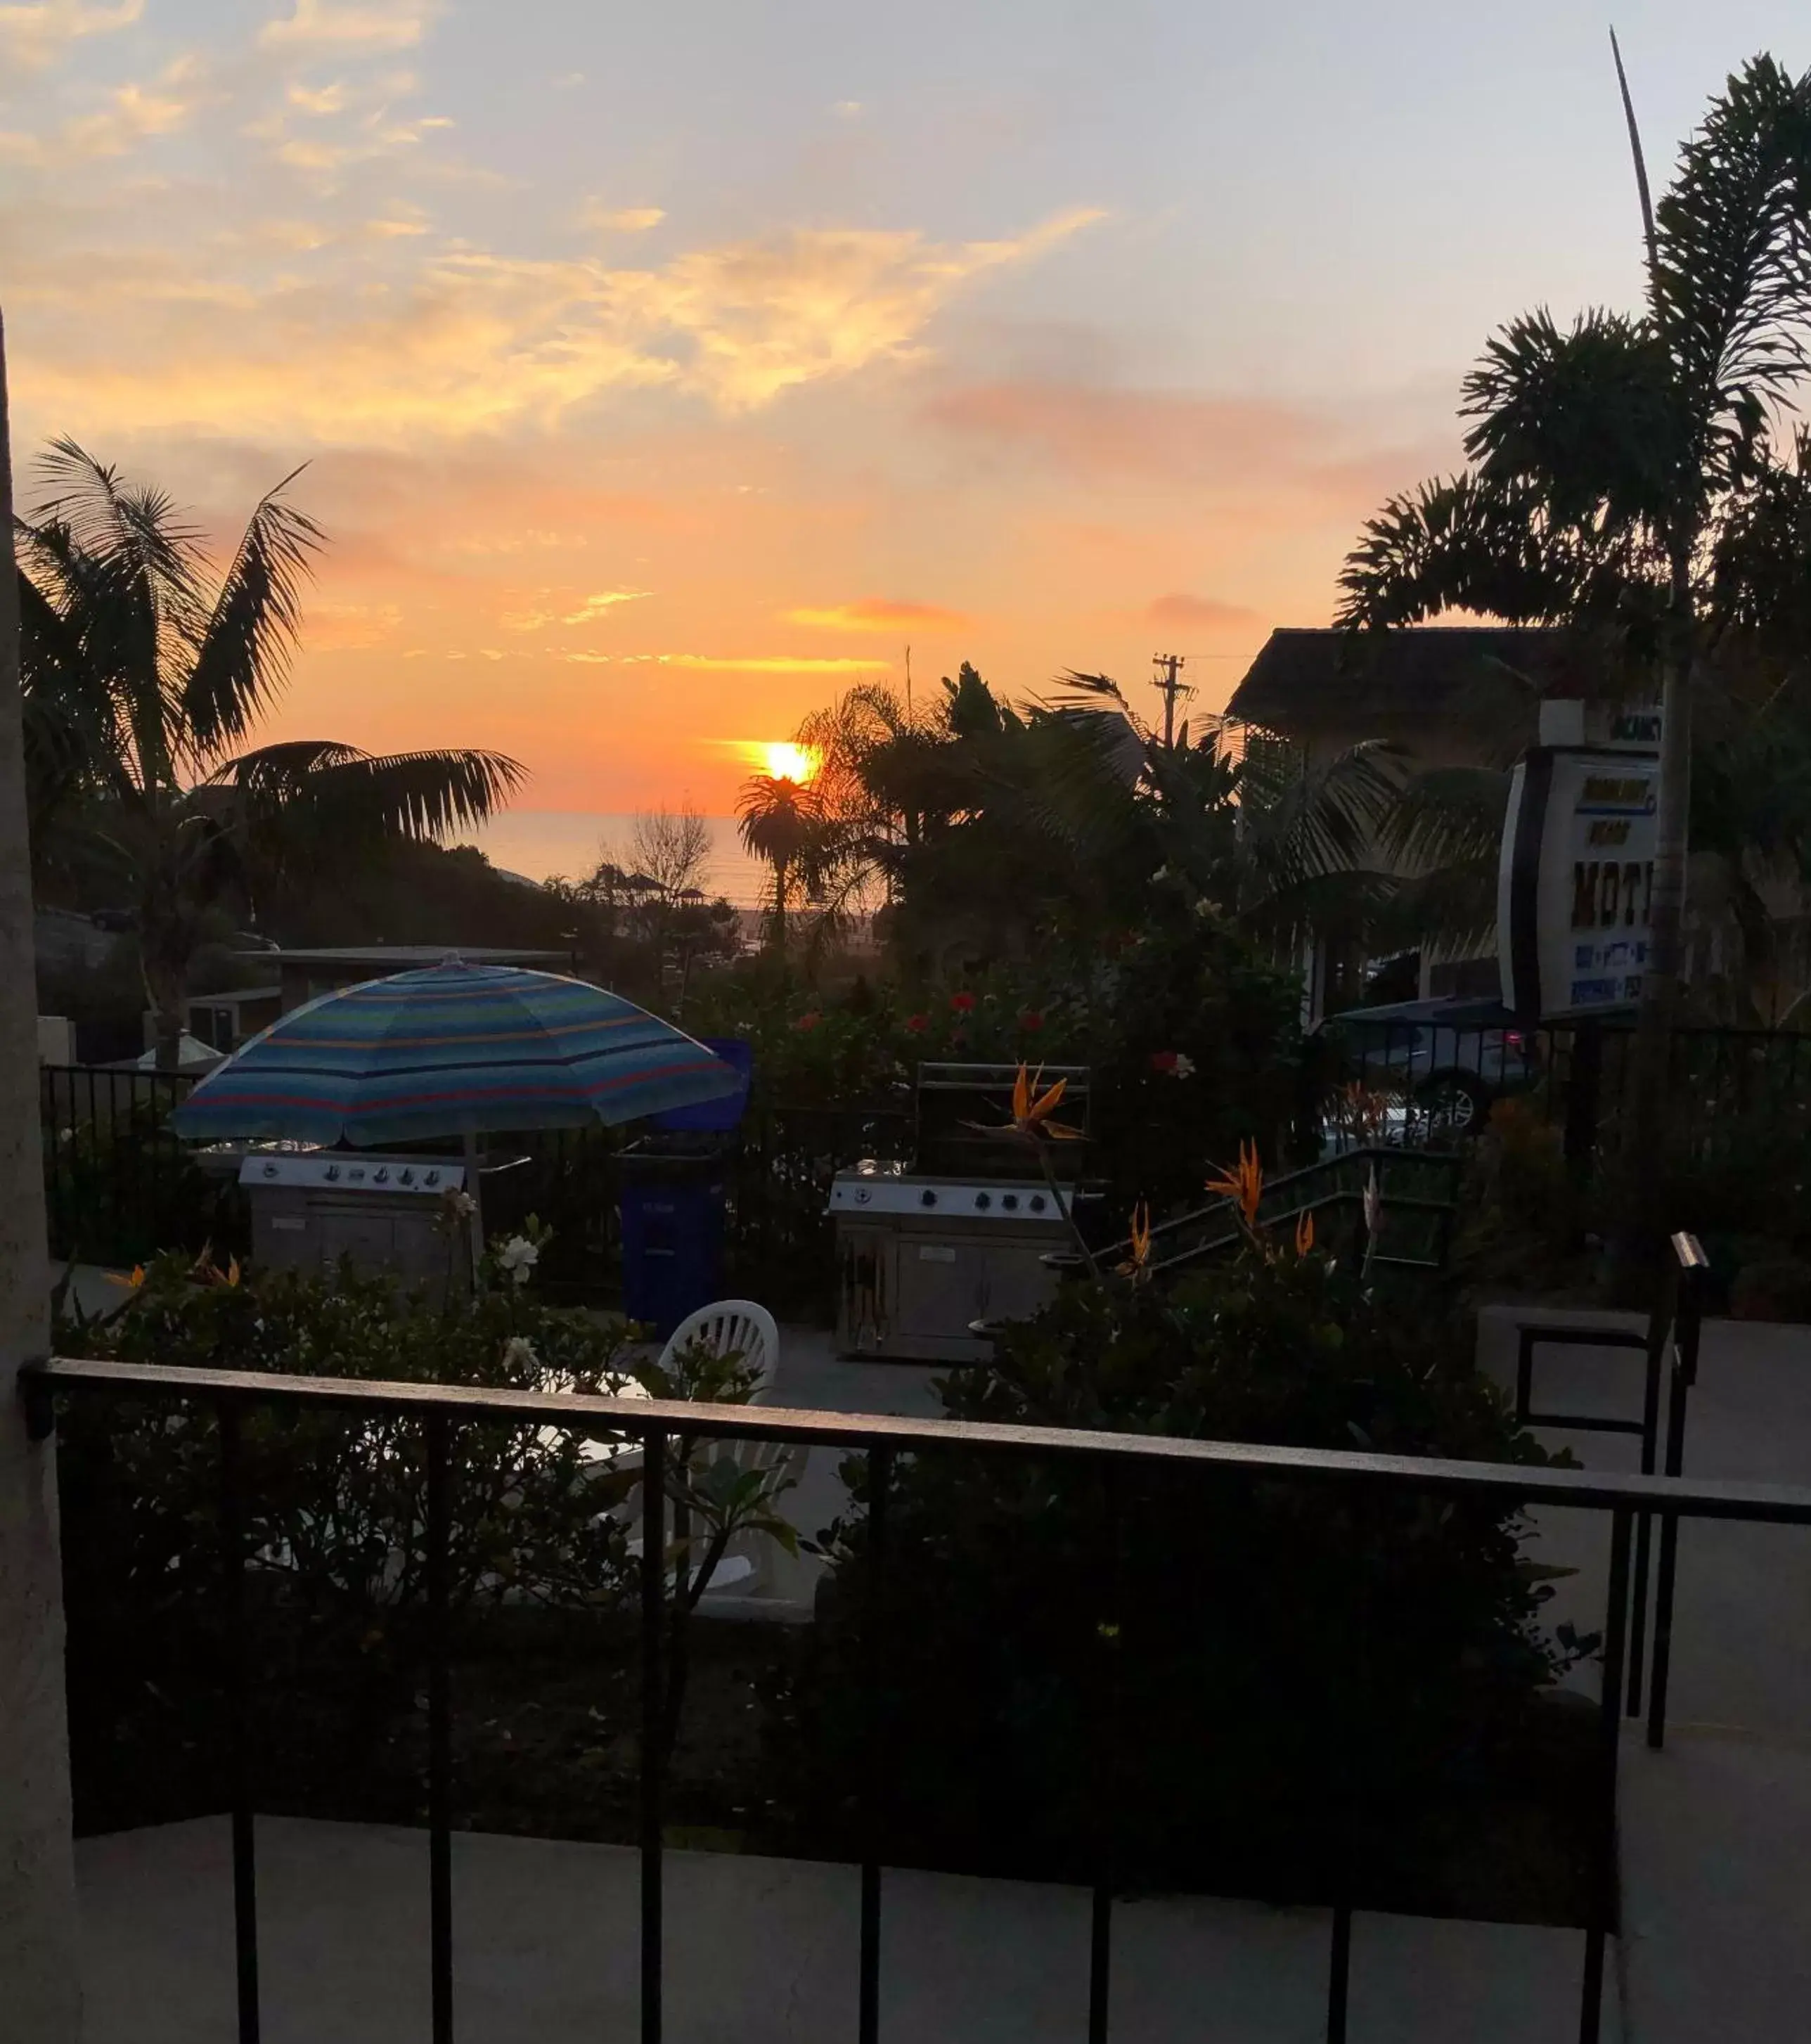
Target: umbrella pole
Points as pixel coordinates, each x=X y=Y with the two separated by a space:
x=475 y=1190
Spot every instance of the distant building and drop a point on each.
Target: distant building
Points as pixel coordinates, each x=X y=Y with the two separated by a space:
x=1444 y=695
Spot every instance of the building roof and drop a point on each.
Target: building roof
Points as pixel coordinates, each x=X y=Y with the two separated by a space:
x=1314 y=680
x=400 y=958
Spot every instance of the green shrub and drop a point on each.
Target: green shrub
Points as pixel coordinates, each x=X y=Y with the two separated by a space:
x=334 y=1504
x=1236 y=1665
x=1777 y=1288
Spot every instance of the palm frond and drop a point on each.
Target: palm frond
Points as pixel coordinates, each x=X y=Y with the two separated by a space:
x=1446 y=815
x=314 y=783
x=1731 y=284
x=242 y=657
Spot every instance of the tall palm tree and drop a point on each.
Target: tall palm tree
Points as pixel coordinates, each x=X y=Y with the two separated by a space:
x=778 y=820
x=1624 y=469
x=143 y=677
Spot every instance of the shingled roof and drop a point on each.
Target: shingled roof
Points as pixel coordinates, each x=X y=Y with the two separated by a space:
x=1312 y=680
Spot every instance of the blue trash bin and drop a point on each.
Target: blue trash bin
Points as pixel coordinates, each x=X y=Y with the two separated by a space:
x=673 y=1235
x=673 y=1183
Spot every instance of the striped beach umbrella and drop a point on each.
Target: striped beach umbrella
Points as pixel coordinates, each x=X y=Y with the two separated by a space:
x=455 y=1049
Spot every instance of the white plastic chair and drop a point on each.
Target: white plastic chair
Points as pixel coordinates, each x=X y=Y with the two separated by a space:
x=732 y=1326
x=741 y=1327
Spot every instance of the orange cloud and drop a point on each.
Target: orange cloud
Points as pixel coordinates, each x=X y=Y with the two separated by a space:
x=1198 y=613
x=881 y=613
x=1170 y=435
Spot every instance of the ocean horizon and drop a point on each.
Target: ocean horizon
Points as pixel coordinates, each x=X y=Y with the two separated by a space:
x=541 y=844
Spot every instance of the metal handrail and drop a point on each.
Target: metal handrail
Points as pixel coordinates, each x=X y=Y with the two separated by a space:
x=1785 y=1505
x=661 y=1425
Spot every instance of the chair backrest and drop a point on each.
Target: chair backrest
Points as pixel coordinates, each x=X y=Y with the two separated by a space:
x=737 y=1326
x=741 y=1326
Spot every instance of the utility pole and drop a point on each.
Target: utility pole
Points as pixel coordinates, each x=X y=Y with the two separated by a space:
x=1166 y=673
x=908 y=682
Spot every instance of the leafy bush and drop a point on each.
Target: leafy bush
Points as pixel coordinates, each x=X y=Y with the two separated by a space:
x=335 y=1502
x=1193 y=1040
x=1230 y=1663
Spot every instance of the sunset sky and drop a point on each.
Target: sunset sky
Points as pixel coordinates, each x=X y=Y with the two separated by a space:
x=661 y=369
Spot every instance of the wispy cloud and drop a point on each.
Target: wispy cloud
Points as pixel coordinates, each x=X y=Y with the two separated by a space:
x=35 y=35
x=601 y=604
x=743 y=664
x=462 y=341
x=881 y=613
x=1205 y=613
x=322 y=25
x=130 y=114
x=603 y=218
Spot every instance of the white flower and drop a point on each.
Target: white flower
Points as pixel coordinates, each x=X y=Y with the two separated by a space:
x=519 y=1353
x=1373 y=1206
x=1184 y=1068
x=518 y=1257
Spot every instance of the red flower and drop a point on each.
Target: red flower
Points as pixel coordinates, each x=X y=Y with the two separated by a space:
x=962 y=1003
x=1031 y=1019
x=917 y=1024
x=809 y=1020
x=1165 y=1061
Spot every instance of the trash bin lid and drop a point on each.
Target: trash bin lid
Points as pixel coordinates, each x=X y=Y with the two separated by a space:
x=715 y=1116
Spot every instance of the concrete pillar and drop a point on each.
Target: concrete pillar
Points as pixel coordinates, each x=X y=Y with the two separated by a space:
x=40 y=1996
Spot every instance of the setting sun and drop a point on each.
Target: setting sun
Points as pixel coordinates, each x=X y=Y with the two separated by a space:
x=784 y=761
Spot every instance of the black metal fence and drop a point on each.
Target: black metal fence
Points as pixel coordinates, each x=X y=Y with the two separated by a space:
x=1438 y=1081
x=661 y=1429
x=119 y=1186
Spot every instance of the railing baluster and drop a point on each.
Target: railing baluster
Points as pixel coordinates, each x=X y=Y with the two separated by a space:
x=875 y=1801
x=1109 y=1649
x=654 y=1618
x=1644 y=1520
x=1339 y=1972
x=239 y=1717
x=439 y=1730
x=1687 y=1332
x=1609 y=1727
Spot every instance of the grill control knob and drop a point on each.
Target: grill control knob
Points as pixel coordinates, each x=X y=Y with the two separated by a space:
x=270 y=1170
x=983 y=1201
x=1010 y=1201
x=405 y=1177
x=332 y=1174
x=1038 y=1202
x=927 y=1197
x=431 y=1178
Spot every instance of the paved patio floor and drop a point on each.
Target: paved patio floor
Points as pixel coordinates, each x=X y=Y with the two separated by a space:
x=758 y=1951
x=1716 y=1828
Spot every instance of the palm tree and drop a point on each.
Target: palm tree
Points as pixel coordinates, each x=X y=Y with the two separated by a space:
x=143 y=679
x=1630 y=478
x=778 y=820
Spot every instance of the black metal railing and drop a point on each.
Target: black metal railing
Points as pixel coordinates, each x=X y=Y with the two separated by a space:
x=1414 y=1194
x=663 y=1428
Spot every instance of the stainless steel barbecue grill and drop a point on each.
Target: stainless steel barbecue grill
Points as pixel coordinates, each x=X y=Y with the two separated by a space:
x=923 y=1253
x=388 y=1214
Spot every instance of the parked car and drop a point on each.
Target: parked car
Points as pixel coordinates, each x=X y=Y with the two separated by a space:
x=1447 y=1059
